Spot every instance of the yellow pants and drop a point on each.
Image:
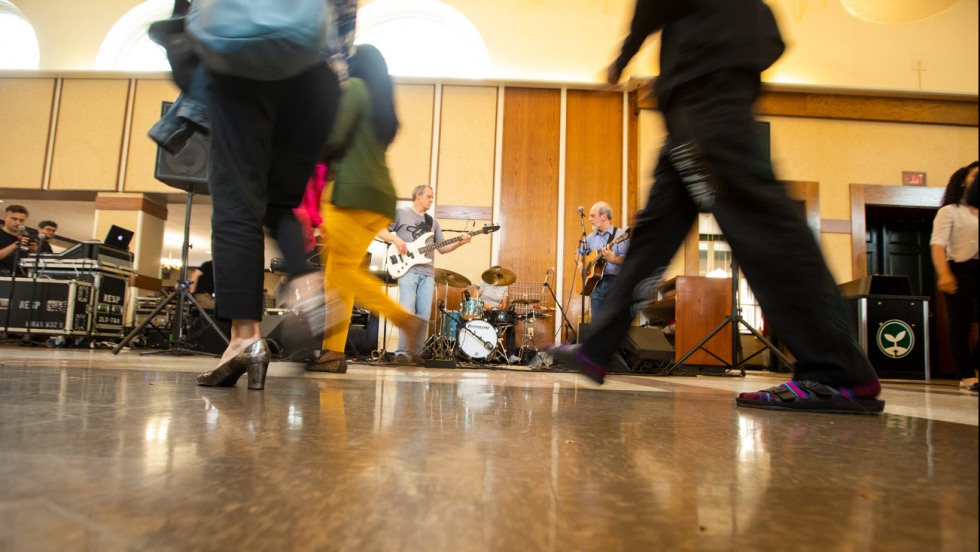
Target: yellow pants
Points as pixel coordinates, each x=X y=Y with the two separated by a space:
x=347 y=233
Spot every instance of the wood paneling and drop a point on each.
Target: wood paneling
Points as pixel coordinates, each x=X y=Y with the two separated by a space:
x=937 y=109
x=593 y=165
x=134 y=202
x=25 y=109
x=142 y=153
x=89 y=135
x=529 y=182
x=809 y=194
x=868 y=108
x=835 y=226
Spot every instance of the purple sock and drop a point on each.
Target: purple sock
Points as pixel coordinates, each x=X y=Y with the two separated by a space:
x=868 y=390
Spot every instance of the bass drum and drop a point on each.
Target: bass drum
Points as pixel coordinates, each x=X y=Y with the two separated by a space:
x=477 y=339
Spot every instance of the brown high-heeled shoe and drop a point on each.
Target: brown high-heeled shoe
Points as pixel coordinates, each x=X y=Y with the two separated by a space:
x=253 y=359
x=335 y=364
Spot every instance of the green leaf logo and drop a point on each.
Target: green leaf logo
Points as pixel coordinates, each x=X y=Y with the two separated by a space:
x=895 y=339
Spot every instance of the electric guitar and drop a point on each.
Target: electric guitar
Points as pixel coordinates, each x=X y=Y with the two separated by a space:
x=596 y=264
x=399 y=264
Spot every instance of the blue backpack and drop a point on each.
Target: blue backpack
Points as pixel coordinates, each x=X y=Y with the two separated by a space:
x=260 y=39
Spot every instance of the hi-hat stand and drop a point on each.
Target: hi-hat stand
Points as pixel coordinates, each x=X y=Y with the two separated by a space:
x=735 y=319
x=178 y=346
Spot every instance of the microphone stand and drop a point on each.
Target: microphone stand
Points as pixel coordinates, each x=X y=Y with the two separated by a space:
x=30 y=317
x=583 y=246
x=567 y=325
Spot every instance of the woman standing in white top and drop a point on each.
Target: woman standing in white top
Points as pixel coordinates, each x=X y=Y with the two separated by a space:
x=954 y=254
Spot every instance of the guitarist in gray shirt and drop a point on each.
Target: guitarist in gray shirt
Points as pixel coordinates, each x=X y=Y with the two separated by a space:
x=610 y=256
x=417 y=286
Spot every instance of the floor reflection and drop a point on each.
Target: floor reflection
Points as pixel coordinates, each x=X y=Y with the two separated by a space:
x=137 y=456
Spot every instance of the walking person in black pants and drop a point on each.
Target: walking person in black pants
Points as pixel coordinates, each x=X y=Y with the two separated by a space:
x=712 y=54
x=954 y=255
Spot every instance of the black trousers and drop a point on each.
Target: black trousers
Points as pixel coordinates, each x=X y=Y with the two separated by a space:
x=777 y=251
x=961 y=309
x=265 y=139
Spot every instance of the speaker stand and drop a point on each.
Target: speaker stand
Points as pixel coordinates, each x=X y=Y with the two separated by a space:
x=735 y=319
x=178 y=346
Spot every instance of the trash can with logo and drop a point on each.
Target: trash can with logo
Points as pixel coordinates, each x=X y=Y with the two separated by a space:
x=890 y=324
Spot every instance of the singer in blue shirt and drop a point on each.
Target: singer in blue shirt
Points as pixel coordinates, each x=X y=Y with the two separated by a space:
x=603 y=234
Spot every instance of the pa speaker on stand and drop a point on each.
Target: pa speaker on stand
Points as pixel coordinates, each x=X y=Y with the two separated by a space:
x=187 y=171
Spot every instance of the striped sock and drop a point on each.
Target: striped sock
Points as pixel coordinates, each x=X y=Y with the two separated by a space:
x=867 y=390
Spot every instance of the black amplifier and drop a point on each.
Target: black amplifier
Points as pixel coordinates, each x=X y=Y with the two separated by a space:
x=109 y=313
x=60 y=307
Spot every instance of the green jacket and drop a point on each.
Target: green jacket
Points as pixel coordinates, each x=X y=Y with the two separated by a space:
x=360 y=174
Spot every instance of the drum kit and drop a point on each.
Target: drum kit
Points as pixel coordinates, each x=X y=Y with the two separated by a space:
x=476 y=334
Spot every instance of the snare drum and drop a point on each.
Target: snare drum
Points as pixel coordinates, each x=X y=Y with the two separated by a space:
x=477 y=339
x=500 y=318
x=472 y=309
x=451 y=322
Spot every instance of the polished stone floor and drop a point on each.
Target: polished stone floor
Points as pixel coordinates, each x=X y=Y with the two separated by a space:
x=103 y=452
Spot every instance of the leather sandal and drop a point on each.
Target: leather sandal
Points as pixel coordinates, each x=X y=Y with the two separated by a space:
x=810 y=396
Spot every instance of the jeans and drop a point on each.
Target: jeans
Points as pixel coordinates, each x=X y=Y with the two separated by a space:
x=599 y=294
x=415 y=294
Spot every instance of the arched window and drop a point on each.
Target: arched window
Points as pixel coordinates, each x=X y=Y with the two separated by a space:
x=18 y=41
x=424 y=38
x=128 y=48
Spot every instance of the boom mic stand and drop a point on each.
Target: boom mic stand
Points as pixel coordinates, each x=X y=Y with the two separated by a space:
x=28 y=338
x=178 y=296
x=564 y=317
x=583 y=246
x=735 y=318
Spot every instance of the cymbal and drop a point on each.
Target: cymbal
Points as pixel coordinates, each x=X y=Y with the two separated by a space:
x=498 y=276
x=453 y=279
x=523 y=301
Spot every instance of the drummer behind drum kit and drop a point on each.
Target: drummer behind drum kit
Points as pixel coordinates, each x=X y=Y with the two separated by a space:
x=473 y=333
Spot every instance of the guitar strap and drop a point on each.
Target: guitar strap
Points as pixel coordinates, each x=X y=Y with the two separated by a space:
x=428 y=222
x=612 y=236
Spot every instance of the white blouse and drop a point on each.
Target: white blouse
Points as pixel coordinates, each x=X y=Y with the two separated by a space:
x=956 y=228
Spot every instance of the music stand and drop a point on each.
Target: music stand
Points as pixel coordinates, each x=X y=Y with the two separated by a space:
x=181 y=294
x=734 y=318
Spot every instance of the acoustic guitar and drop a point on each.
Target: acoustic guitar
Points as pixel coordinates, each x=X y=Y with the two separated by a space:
x=596 y=264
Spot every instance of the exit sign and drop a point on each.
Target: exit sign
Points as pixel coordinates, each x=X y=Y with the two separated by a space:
x=910 y=178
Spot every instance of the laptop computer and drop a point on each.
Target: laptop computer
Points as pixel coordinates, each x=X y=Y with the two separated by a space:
x=118 y=238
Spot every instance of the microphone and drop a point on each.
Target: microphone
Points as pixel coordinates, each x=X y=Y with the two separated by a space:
x=466 y=295
x=23 y=233
x=581 y=211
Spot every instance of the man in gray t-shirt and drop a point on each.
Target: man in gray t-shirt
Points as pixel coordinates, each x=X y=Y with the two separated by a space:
x=416 y=287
